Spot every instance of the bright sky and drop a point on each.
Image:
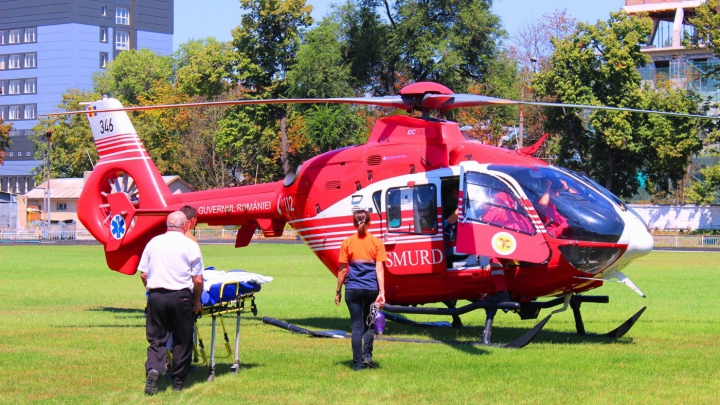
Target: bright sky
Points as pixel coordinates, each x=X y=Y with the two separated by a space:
x=196 y=19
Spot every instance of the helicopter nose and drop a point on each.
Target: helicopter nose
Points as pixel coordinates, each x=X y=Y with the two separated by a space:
x=641 y=241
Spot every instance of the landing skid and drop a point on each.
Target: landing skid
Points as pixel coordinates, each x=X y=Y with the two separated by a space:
x=616 y=333
x=527 y=310
x=490 y=312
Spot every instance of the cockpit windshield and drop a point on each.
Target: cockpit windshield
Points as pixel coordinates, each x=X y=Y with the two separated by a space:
x=569 y=207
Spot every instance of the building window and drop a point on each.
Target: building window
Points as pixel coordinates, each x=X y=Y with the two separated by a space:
x=103 y=59
x=2 y=88
x=15 y=133
x=30 y=112
x=122 y=40
x=28 y=133
x=3 y=37
x=14 y=37
x=3 y=62
x=14 y=87
x=30 y=34
x=14 y=112
x=27 y=154
x=103 y=11
x=61 y=207
x=30 y=60
x=103 y=34
x=30 y=86
x=14 y=61
x=122 y=16
x=10 y=154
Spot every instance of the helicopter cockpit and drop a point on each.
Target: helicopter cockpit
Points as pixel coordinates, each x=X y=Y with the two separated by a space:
x=569 y=207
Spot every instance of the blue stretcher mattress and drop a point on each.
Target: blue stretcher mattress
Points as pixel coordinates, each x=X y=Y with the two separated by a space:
x=230 y=292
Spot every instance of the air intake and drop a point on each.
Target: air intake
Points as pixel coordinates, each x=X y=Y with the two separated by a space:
x=333 y=185
x=374 y=160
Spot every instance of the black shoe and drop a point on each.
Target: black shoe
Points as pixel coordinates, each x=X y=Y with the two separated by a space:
x=151 y=382
x=178 y=386
x=499 y=297
x=356 y=368
x=367 y=361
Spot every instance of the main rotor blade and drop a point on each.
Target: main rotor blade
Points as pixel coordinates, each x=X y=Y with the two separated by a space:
x=471 y=100
x=440 y=102
x=389 y=101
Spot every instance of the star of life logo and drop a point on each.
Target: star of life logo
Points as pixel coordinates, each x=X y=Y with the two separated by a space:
x=117 y=227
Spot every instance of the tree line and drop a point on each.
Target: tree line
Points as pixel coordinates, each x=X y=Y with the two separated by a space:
x=373 y=47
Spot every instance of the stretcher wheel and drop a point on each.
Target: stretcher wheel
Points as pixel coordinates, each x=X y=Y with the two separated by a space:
x=235 y=368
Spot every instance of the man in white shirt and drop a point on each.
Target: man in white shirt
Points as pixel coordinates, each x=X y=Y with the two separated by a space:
x=171 y=269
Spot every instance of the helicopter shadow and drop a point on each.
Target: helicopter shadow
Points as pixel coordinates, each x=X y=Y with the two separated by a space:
x=466 y=338
x=402 y=333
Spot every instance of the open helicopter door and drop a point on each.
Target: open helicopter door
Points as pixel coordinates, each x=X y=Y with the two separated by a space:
x=496 y=219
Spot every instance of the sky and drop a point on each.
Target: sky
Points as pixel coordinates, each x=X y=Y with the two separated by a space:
x=197 y=19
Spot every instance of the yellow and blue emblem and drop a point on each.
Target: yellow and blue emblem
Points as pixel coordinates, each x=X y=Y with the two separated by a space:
x=503 y=243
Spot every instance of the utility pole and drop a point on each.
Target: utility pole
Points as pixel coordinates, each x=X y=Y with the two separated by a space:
x=522 y=108
x=48 y=135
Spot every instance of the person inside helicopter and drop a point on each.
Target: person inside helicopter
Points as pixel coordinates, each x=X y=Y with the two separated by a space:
x=450 y=217
x=555 y=223
x=425 y=209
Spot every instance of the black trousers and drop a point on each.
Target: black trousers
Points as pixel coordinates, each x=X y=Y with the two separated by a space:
x=358 y=302
x=168 y=312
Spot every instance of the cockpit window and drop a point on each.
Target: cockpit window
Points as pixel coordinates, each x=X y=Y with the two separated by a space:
x=568 y=206
x=489 y=200
x=420 y=201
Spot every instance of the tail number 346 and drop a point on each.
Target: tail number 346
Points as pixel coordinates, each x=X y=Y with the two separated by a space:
x=106 y=125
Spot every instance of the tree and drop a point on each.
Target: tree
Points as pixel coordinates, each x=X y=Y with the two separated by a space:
x=205 y=67
x=132 y=74
x=266 y=43
x=320 y=72
x=453 y=42
x=597 y=65
x=366 y=48
x=73 y=150
x=5 y=141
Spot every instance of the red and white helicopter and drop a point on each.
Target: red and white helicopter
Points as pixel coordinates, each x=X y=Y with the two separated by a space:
x=404 y=175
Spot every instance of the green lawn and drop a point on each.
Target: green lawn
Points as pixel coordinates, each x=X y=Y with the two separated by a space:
x=73 y=332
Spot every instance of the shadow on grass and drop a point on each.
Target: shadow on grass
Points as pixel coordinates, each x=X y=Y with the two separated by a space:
x=466 y=339
x=115 y=310
x=200 y=375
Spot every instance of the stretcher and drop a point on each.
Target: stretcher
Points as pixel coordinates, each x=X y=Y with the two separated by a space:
x=227 y=298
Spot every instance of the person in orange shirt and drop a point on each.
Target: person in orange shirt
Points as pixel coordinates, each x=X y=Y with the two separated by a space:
x=362 y=271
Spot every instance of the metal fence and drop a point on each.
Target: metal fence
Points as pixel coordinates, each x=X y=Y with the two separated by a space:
x=687 y=241
x=30 y=235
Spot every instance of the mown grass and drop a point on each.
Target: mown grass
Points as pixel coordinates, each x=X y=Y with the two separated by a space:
x=73 y=332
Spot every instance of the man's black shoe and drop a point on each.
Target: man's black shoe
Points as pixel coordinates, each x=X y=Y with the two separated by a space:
x=367 y=361
x=178 y=386
x=500 y=296
x=151 y=382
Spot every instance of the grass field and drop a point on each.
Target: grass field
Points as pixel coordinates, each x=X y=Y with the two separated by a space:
x=73 y=332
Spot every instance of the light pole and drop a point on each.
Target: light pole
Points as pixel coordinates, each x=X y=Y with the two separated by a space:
x=522 y=109
x=48 y=135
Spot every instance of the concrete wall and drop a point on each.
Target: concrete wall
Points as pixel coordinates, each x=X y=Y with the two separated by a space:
x=668 y=217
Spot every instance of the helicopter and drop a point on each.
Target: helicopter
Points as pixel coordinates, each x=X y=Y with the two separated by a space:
x=410 y=173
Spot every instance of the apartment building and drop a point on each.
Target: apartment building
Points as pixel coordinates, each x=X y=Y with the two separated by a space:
x=50 y=46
